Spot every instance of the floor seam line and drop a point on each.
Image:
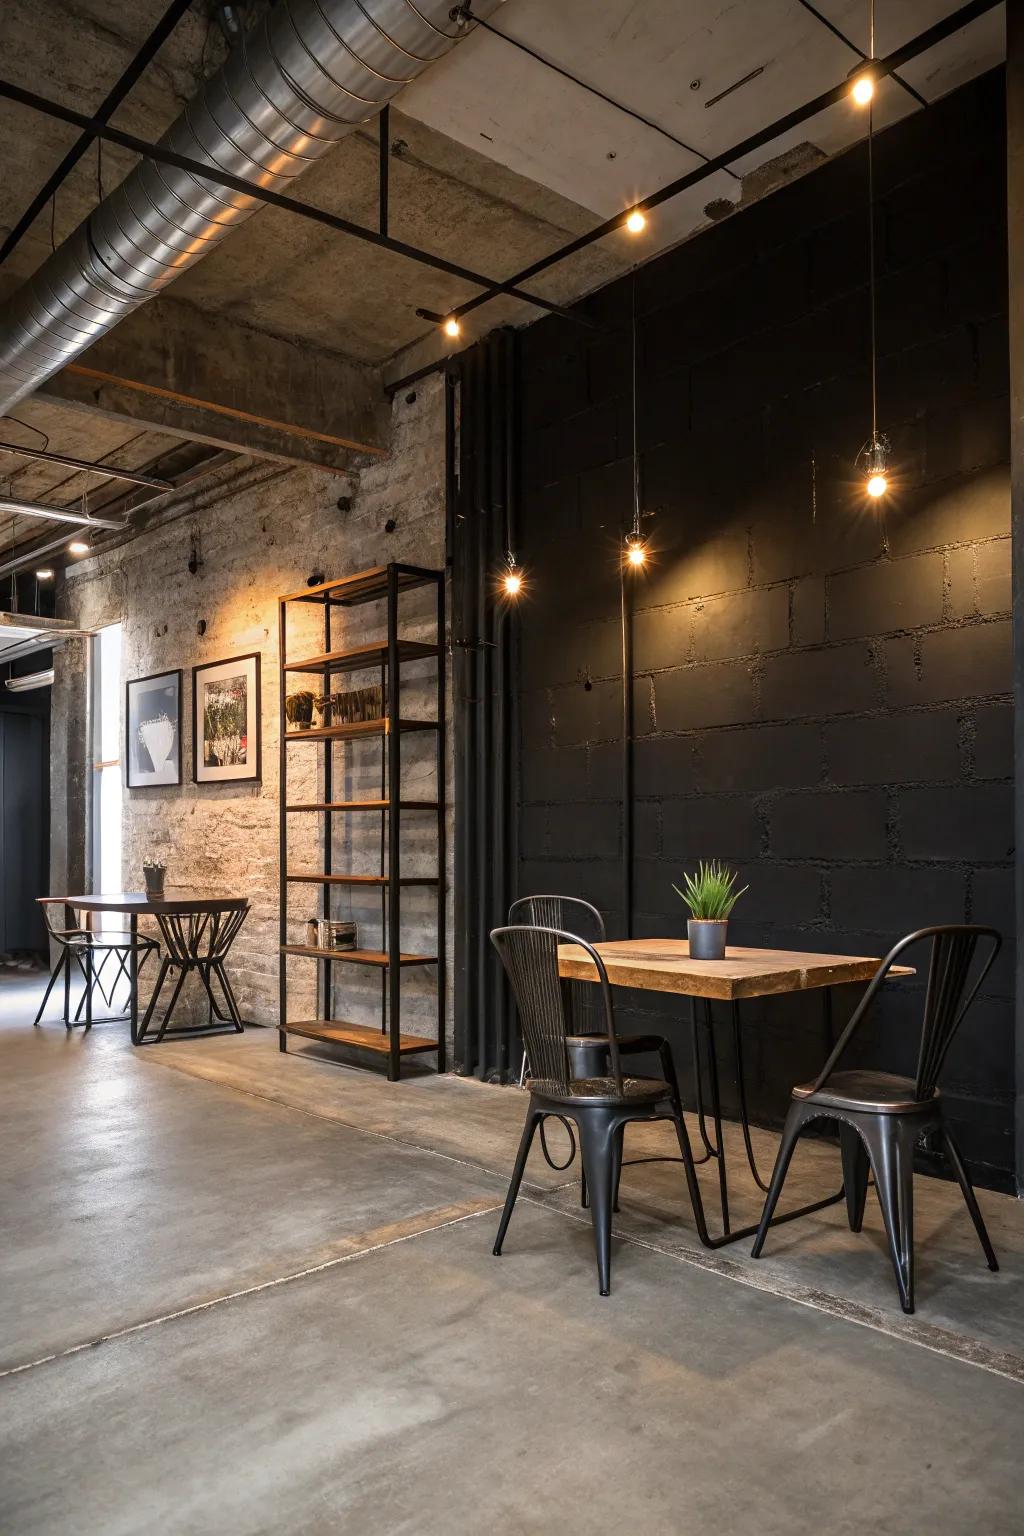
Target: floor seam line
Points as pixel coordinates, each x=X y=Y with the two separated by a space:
x=816 y=1301
x=398 y=1141
x=249 y=1290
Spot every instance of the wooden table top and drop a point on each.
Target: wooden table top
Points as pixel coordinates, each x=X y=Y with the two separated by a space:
x=176 y=900
x=664 y=965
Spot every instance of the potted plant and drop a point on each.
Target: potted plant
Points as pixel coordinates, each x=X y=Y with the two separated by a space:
x=298 y=708
x=710 y=895
x=153 y=872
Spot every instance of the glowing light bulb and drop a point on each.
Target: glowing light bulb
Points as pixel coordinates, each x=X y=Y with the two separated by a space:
x=451 y=326
x=636 y=222
x=513 y=583
x=877 y=485
x=636 y=549
x=44 y=575
x=78 y=547
x=863 y=90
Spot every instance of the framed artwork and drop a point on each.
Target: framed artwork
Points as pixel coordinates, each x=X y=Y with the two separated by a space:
x=153 y=730
x=226 y=720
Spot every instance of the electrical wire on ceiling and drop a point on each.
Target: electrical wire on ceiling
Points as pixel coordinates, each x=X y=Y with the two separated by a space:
x=812 y=10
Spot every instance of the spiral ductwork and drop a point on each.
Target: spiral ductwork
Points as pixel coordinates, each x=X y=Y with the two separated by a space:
x=312 y=72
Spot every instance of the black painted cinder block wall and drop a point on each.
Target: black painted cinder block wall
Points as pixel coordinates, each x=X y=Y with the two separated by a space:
x=822 y=688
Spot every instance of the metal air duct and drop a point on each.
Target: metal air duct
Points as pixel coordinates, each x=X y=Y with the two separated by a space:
x=308 y=75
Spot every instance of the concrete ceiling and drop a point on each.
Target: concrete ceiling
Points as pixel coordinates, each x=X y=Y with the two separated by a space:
x=497 y=159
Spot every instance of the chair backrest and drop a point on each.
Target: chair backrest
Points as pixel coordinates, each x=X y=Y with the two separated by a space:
x=954 y=947
x=570 y=914
x=529 y=954
x=202 y=936
x=63 y=923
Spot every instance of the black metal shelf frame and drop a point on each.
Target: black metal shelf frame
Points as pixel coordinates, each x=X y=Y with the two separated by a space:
x=383 y=584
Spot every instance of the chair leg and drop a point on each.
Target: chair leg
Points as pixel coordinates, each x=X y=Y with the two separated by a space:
x=61 y=963
x=668 y=1072
x=598 y=1134
x=67 y=992
x=584 y=1193
x=617 y=1165
x=170 y=1006
x=533 y=1118
x=891 y=1152
x=88 y=989
x=970 y=1198
x=165 y=966
x=855 y=1174
x=795 y=1121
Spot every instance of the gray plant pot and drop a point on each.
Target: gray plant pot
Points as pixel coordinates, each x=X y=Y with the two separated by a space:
x=707 y=938
x=154 y=879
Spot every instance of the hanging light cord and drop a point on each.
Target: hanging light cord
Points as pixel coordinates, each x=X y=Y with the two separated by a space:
x=636 y=454
x=871 y=237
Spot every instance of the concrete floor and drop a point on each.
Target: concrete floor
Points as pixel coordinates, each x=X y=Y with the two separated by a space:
x=252 y=1293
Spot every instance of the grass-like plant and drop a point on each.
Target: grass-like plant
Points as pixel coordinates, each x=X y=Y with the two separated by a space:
x=711 y=893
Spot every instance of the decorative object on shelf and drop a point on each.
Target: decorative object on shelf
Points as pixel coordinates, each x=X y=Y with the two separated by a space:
x=154 y=872
x=153 y=730
x=226 y=720
x=710 y=895
x=298 y=709
x=313 y=932
x=353 y=707
x=335 y=935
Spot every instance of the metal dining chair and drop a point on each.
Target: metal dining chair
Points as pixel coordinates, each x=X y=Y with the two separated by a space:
x=91 y=950
x=573 y=915
x=882 y=1116
x=600 y=1105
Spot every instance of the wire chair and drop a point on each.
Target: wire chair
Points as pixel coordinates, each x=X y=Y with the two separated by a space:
x=882 y=1116
x=199 y=942
x=601 y=1103
x=90 y=950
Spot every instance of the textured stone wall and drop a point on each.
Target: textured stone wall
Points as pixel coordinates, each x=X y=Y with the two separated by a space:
x=822 y=687
x=263 y=529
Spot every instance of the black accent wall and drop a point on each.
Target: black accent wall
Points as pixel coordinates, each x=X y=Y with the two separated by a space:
x=821 y=688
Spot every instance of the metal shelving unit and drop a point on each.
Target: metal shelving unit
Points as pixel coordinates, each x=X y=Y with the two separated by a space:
x=384 y=584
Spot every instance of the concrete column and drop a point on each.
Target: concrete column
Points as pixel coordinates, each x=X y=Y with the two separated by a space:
x=70 y=770
x=1015 y=226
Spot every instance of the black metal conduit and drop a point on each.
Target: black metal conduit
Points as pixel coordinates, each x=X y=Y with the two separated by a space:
x=106 y=109
x=483 y=635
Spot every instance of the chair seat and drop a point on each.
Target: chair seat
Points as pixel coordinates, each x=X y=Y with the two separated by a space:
x=115 y=938
x=602 y=1090
x=874 y=1092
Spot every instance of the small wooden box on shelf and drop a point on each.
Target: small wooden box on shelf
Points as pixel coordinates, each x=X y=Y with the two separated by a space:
x=382 y=584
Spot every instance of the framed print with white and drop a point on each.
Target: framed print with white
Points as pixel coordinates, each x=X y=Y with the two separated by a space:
x=226 y=720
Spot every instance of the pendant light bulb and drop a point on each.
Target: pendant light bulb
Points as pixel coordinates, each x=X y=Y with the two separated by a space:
x=78 y=547
x=863 y=91
x=873 y=461
x=512 y=577
x=636 y=222
x=636 y=550
x=451 y=327
x=44 y=575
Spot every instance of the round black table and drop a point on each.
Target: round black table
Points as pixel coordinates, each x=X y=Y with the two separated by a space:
x=197 y=930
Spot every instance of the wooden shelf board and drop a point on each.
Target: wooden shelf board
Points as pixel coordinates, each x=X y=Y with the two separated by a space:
x=360 y=1035
x=359 y=656
x=364 y=587
x=357 y=730
x=363 y=805
x=377 y=957
x=304 y=879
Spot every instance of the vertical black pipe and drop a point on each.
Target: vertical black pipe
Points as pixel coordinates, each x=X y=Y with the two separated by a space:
x=384 y=153
x=626 y=622
x=282 y=851
x=442 y=824
x=394 y=751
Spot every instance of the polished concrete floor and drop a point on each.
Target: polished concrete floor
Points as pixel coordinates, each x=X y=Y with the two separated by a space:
x=251 y=1293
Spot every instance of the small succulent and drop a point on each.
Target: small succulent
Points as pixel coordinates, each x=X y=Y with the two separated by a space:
x=154 y=864
x=710 y=894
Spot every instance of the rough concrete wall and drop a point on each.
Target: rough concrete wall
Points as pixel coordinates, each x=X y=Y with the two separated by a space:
x=263 y=530
x=822 y=691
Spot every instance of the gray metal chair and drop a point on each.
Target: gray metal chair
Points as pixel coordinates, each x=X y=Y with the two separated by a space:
x=90 y=950
x=573 y=915
x=600 y=1105
x=882 y=1116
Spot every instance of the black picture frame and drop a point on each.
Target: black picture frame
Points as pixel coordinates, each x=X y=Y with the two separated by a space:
x=166 y=773
x=251 y=772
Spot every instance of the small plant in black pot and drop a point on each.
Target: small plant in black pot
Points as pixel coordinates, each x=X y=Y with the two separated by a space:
x=710 y=895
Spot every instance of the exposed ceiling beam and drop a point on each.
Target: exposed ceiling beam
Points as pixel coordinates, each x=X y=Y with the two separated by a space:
x=108 y=471
x=19 y=508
